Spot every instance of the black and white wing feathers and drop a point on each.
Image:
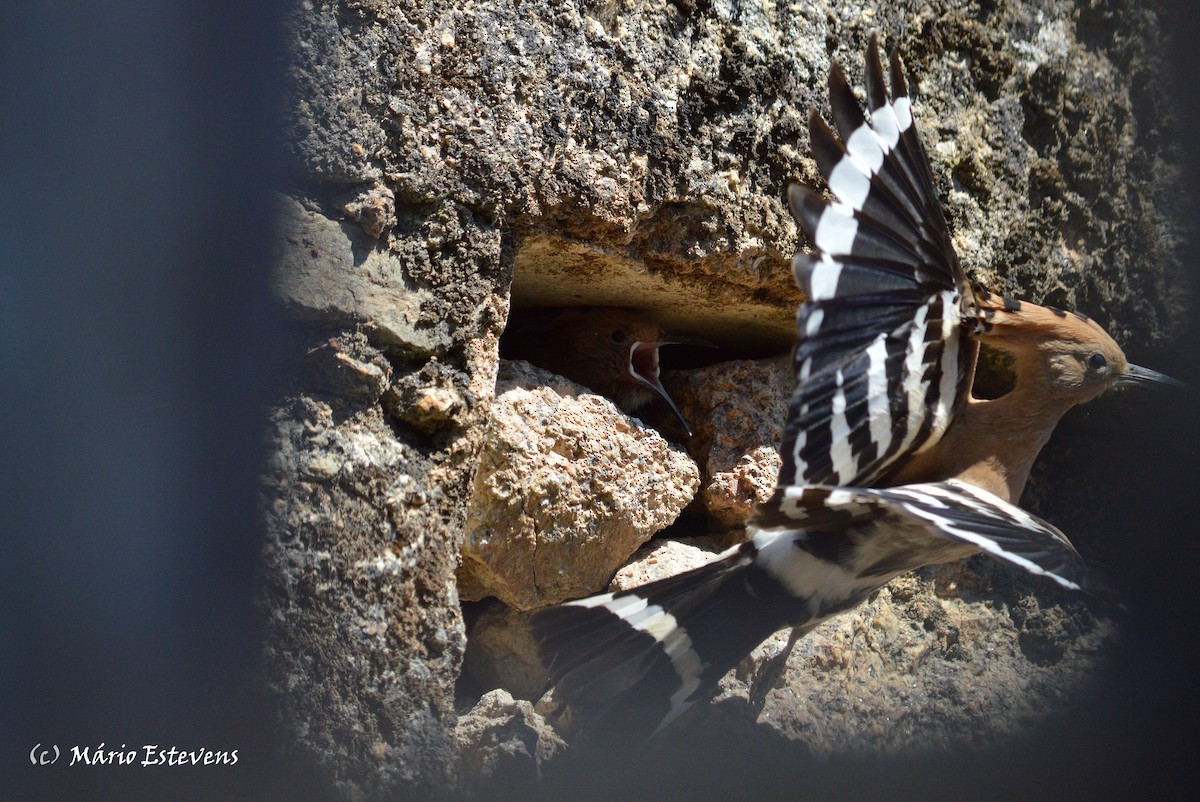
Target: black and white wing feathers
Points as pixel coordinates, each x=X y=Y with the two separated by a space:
x=898 y=529
x=631 y=662
x=883 y=359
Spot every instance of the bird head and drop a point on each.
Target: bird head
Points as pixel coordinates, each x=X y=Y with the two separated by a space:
x=1072 y=356
x=612 y=351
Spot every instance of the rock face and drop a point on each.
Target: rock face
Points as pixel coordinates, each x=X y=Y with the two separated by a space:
x=362 y=611
x=502 y=741
x=566 y=489
x=501 y=653
x=739 y=409
x=456 y=158
x=663 y=558
x=923 y=664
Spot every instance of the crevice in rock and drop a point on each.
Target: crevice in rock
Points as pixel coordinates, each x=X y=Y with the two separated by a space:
x=554 y=271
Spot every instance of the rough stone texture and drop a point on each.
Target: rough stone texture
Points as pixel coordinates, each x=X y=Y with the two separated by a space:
x=923 y=665
x=374 y=209
x=363 y=512
x=437 y=396
x=361 y=601
x=567 y=488
x=502 y=742
x=636 y=153
x=376 y=442
x=501 y=653
x=348 y=368
x=640 y=150
x=333 y=277
x=737 y=409
x=663 y=558
x=628 y=162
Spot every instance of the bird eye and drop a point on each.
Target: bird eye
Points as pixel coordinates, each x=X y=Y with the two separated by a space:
x=1097 y=361
x=618 y=336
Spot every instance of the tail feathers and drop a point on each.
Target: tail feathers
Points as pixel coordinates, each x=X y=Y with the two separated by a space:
x=630 y=663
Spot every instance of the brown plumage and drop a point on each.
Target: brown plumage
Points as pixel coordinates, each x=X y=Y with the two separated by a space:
x=611 y=351
x=1060 y=359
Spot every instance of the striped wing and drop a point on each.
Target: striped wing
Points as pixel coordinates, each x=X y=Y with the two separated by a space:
x=922 y=524
x=883 y=359
x=631 y=662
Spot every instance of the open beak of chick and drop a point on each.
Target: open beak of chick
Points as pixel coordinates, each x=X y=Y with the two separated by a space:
x=1137 y=375
x=643 y=367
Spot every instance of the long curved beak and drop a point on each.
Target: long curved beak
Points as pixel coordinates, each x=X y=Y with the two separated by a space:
x=1136 y=374
x=643 y=366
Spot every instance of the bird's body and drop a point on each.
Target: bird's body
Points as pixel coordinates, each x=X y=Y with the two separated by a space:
x=889 y=463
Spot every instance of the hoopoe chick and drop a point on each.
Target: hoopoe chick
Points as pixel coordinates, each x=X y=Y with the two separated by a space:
x=611 y=351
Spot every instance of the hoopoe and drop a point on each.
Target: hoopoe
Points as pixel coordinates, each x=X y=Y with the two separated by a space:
x=889 y=463
x=612 y=351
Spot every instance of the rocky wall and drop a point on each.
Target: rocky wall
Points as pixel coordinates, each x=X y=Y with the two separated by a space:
x=461 y=162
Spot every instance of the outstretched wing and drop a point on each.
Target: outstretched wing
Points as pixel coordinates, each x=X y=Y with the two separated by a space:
x=631 y=662
x=921 y=524
x=883 y=358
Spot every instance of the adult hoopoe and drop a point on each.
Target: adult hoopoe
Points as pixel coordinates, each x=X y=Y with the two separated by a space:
x=612 y=351
x=889 y=464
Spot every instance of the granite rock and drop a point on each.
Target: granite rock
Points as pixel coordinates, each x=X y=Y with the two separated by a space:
x=567 y=488
x=663 y=558
x=362 y=612
x=738 y=408
x=333 y=277
x=502 y=742
x=927 y=664
x=501 y=653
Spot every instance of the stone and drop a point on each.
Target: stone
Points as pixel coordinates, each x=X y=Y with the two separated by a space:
x=567 y=488
x=362 y=613
x=431 y=398
x=922 y=665
x=501 y=653
x=327 y=274
x=737 y=408
x=501 y=743
x=349 y=368
x=659 y=559
x=373 y=208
